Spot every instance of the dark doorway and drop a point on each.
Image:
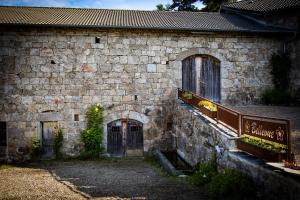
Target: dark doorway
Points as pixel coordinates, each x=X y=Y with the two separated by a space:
x=201 y=75
x=48 y=131
x=125 y=137
x=3 y=139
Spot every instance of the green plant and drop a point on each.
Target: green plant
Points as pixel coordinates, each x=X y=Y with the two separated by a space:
x=271 y=146
x=280 y=94
x=58 y=142
x=204 y=173
x=231 y=184
x=92 y=136
x=281 y=67
x=275 y=96
x=188 y=95
x=36 y=147
x=208 y=105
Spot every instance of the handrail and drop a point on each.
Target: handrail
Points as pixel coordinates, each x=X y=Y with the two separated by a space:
x=241 y=123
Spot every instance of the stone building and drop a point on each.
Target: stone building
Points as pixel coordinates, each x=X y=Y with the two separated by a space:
x=56 y=62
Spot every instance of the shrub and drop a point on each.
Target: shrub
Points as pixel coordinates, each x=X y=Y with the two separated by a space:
x=92 y=136
x=231 y=184
x=204 y=173
x=58 y=142
x=280 y=94
x=36 y=147
x=281 y=67
x=276 y=96
x=92 y=141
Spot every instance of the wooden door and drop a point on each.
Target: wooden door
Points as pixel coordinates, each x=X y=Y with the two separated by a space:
x=114 y=138
x=210 y=79
x=189 y=74
x=134 y=135
x=125 y=137
x=48 y=131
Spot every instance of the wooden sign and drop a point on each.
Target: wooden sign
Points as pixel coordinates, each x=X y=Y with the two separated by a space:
x=273 y=130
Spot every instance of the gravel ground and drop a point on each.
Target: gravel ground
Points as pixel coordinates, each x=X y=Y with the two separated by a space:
x=113 y=179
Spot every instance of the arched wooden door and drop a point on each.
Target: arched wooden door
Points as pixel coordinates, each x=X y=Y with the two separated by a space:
x=201 y=75
x=125 y=137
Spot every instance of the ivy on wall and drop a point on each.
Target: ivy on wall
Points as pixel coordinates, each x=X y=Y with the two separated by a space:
x=92 y=136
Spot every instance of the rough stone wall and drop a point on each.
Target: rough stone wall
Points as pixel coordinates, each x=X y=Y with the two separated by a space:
x=197 y=137
x=65 y=71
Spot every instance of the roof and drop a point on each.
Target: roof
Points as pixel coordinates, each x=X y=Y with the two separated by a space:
x=264 y=6
x=103 y=18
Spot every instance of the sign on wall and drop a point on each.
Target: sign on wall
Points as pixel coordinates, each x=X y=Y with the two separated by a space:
x=266 y=128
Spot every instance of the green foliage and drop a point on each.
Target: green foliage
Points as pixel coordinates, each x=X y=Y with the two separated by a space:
x=92 y=136
x=188 y=95
x=36 y=147
x=184 y=5
x=214 y=5
x=58 y=142
x=281 y=67
x=188 y=5
x=276 y=97
x=161 y=7
x=280 y=94
x=94 y=116
x=231 y=184
x=204 y=173
x=92 y=141
x=268 y=145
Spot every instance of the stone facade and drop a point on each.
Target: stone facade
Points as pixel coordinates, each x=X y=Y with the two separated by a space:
x=133 y=74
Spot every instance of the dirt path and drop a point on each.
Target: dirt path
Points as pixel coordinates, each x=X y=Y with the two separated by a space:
x=117 y=179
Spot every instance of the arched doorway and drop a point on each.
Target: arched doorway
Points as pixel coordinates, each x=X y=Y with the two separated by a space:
x=125 y=137
x=201 y=75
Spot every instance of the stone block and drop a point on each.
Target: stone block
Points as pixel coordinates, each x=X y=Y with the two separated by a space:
x=151 y=68
x=133 y=60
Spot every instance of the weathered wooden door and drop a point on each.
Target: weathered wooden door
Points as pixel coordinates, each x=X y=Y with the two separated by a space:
x=134 y=135
x=115 y=138
x=210 y=78
x=189 y=74
x=3 y=142
x=201 y=75
x=125 y=137
x=48 y=131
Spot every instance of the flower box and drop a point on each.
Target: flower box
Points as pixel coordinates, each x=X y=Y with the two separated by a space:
x=261 y=153
x=207 y=112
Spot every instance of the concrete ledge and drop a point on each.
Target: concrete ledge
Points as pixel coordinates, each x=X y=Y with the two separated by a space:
x=165 y=163
x=271 y=182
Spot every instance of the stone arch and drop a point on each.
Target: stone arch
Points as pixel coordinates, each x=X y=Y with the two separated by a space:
x=113 y=116
x=216 y=53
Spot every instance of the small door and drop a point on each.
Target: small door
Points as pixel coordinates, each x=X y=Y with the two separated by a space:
x=114 y=138
x=48 y=131
x=3 y=142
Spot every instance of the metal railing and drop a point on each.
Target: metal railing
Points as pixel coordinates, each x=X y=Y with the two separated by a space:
x=272 y=129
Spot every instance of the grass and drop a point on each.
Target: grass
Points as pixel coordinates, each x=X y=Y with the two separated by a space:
x=5 y=166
